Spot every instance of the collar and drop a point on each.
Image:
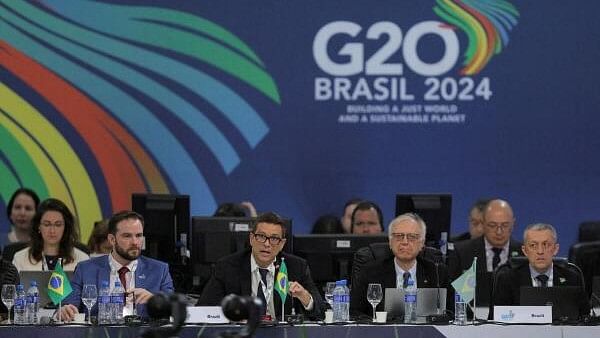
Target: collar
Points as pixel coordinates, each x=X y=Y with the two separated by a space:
x=115 y=266
x=412 y=270
x=549 y=272
x=254 y=266
x=488 y=246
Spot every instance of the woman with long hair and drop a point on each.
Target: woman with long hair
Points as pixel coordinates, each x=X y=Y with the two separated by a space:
x=53 y=236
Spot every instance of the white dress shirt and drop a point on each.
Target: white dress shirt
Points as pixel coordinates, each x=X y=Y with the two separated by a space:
x=489 y=255
x=129 y=278
x=400 y=274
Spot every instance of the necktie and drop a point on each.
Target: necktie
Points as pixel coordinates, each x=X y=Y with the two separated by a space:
x=496 y=259
x=405 y=278
x=543 y=279
x=122 y=276
x=259 y=293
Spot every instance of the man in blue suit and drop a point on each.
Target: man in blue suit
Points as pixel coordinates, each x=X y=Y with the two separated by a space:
x=140 y=276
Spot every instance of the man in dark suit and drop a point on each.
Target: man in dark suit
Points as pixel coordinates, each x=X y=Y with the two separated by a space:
x=406 y=239
x=540 y=247
x=252 y=273
x=140 y=276
x=492 y=249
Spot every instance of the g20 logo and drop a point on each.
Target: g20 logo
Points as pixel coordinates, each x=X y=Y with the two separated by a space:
x=377 y=63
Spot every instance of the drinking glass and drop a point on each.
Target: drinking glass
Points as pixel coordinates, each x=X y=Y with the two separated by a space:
x=374 y=296
x=89 y=296
x=329 y=293
x=9 y=293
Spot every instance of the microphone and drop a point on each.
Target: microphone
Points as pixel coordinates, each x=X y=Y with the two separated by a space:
x=437 y=280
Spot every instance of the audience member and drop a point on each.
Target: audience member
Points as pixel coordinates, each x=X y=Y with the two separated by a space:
x=140 y=276
x=491 y=249
x=406 y=239
x=347 y=216
x=253 y=271
x=540 y=246
x=20 y=211
x=475 y=221
x=98 y=243
x=367 y=219
x=243 y=209
x=52 y=239
x=327 y=224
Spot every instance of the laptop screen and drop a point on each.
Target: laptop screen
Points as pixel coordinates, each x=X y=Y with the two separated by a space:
x=429 y=300
x=564 y=300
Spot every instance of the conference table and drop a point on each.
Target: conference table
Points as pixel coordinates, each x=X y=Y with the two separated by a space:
x=314 y=331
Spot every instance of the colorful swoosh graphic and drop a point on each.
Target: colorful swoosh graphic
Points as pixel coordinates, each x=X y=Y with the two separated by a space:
x=486 y=24
x=90 y=93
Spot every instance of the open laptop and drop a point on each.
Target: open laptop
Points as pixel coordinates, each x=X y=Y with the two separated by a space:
x=428 y=300
x=564 y=300
x=42 y=278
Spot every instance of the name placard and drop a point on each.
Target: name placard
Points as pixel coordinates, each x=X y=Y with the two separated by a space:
x=523 y=314
x=206 y=314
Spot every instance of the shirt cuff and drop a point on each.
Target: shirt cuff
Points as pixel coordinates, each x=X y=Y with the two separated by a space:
x=310 y=305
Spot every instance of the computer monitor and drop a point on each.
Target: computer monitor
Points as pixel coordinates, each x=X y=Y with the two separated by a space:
x=330 y=256
x=563 y=299
x=435 y=209
x=166 y=225
x=215 y=237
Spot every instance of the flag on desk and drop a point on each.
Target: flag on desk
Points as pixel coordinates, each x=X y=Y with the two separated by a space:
x=59 y=286
x=282 y=283
x=465 y=284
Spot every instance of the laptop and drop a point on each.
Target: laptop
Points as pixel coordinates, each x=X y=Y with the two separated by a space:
x=563 y=299
x=42 y=278
x=428 y=300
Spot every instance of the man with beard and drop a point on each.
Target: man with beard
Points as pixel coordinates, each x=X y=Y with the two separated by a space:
x=140 y=276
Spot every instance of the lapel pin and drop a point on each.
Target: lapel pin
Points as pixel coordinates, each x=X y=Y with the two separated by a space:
x=142 y=277
x=562 y=280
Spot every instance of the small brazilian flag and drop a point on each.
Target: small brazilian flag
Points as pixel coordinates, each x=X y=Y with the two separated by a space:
x=59 y=286
x=282 y=283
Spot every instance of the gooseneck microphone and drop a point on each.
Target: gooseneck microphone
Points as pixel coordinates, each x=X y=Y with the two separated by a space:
x=437 y=282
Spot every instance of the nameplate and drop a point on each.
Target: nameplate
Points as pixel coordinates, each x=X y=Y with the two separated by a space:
x=523 y=314
x=206 y=314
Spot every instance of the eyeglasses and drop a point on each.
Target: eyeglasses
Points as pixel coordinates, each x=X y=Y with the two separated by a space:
x=535 y=246
x=274 y=240
x=410 y=237
x=49 y=224
x=496 y=226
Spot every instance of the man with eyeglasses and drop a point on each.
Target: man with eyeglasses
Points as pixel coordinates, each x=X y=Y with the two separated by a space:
x=252 y=272
x=540 y=247
x=406 y=239
x=366 y=219
x=494 y=248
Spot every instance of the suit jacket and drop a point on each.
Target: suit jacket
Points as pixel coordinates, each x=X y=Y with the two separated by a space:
x=510 y=279
x=461 y=258
x=150 y=274
x=232 y=275
x=383 y=271
x=22 y=263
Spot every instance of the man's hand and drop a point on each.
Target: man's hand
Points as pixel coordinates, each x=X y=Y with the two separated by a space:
x=67 y=313
x=141 y=295
x=298 y=291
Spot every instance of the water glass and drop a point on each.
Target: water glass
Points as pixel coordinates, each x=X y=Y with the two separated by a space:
x=374 y=296
x=329 y=293
x=89 y=295
x=9 y=293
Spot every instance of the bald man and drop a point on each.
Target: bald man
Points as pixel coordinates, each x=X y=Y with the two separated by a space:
x=492 y=249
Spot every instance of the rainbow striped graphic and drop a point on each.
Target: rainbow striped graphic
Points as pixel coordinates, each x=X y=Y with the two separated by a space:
x=92 y=92
x=486 y=24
